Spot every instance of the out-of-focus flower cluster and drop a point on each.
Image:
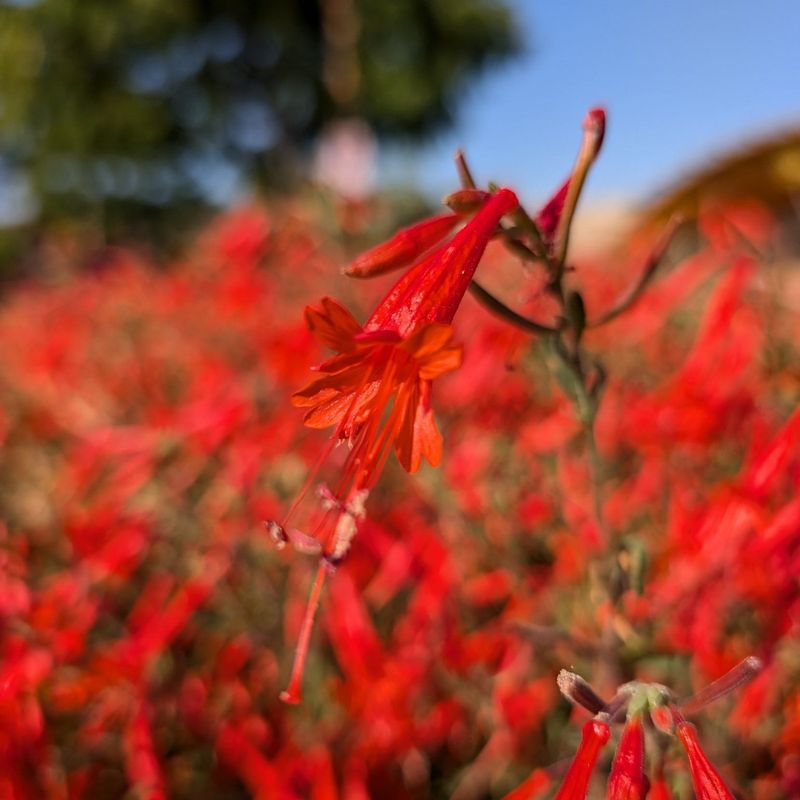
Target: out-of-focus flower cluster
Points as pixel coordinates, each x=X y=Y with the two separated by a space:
x=146 y=432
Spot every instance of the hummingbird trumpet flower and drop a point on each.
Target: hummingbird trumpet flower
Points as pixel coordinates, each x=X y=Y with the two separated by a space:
x=375 y=392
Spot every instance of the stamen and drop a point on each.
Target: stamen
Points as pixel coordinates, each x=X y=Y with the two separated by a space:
x=356 y=504
x=304 y=543
x=293 y=692
x=370 y=448
x=310 y=480
x=331 y=563
x=277 y=533
x=328 y=500
x=357 y=465
x=301 y=542
x=343 y=535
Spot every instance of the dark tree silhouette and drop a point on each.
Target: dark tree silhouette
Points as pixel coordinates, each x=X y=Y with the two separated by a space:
x=131 y=108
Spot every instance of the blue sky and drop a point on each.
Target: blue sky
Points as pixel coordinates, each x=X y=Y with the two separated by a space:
x=682 y=80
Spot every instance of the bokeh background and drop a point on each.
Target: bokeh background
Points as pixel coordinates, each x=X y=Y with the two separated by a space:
x=177 y=181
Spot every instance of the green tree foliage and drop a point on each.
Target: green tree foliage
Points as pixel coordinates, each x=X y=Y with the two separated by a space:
x=120 y=109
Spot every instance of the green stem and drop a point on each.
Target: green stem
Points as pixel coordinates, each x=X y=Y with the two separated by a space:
x=500 y=309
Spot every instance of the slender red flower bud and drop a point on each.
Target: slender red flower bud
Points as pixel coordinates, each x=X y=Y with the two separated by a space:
x=595 y=734
x=405 y=247
x=550 y=214
x=627 y=780
x=708 y=784
x=594 y=128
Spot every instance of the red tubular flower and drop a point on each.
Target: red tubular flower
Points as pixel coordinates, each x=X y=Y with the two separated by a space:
x=627 y=780
x=376 y=392
x=595 y=734
x=707 y=782
x=432 y=289
x=388 y=365
x=141 y=763
x=659 y=789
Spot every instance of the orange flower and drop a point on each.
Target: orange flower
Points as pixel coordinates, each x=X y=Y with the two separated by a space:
x=376 y=391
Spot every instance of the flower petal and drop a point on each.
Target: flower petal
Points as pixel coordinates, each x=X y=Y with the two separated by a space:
x=445 y=360
x=428 y=339
x=434 y=357
x=332 y=324
x=330 y=411
x=418 y=437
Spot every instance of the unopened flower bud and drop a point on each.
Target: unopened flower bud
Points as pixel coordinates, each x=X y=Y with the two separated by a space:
x=466 y=201
x=662 y=719
x=404 y=248
x=594 y=124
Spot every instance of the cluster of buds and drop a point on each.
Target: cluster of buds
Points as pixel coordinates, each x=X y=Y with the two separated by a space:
x=644 y=707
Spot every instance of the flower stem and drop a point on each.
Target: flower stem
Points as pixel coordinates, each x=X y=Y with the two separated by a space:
x=500 y=309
